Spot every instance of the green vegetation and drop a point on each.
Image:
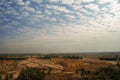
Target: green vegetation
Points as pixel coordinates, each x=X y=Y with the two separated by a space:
x=49 y=70
x=12 y=58
x=82 y=72
x=0 y=76
x=53 y=56
x=48 y=57
x=102 y=73
x=31 y=74
x=72 y=57
x=109 y=58
x=9 y=77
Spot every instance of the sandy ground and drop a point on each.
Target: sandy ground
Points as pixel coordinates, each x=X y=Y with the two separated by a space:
x=15 y=67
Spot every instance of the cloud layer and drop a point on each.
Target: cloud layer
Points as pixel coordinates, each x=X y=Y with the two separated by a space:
x=45 y=25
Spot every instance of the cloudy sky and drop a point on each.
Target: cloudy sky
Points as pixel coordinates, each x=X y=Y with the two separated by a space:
x=43 y=26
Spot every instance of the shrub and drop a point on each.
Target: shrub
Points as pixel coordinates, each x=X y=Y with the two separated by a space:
x=31 y=74
x=9 y=77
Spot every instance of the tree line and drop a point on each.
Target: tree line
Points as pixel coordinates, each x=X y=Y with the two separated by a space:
x=12 y=58
x=109 y=58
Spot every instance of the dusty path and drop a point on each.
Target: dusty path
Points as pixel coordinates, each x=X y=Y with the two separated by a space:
x=40 y=63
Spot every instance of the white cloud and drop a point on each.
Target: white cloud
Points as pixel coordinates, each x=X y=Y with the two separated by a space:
x=54 y=0
x=24 y=29
x=93 y=7
x=114 y=7
x=11 y=25
x=37 y=1
x=11 y=11
x=29 y=9
x=48 y=6
x=27 y=3
x=76 y=7
x=38 y=12
x=62 y=9
x=36 y=18
x=105 y=1
x=58 y=8
x=85 y=11
x=77 y=1
x=51 y=19
x=70 y=16
x=69 y=2
x=25 y=14
x=48 y=12
x=56 y=12
x=87 y=0
x=81 y=1
x=20 y=2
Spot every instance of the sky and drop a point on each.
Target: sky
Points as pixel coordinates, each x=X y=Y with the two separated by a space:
x=54 y=26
